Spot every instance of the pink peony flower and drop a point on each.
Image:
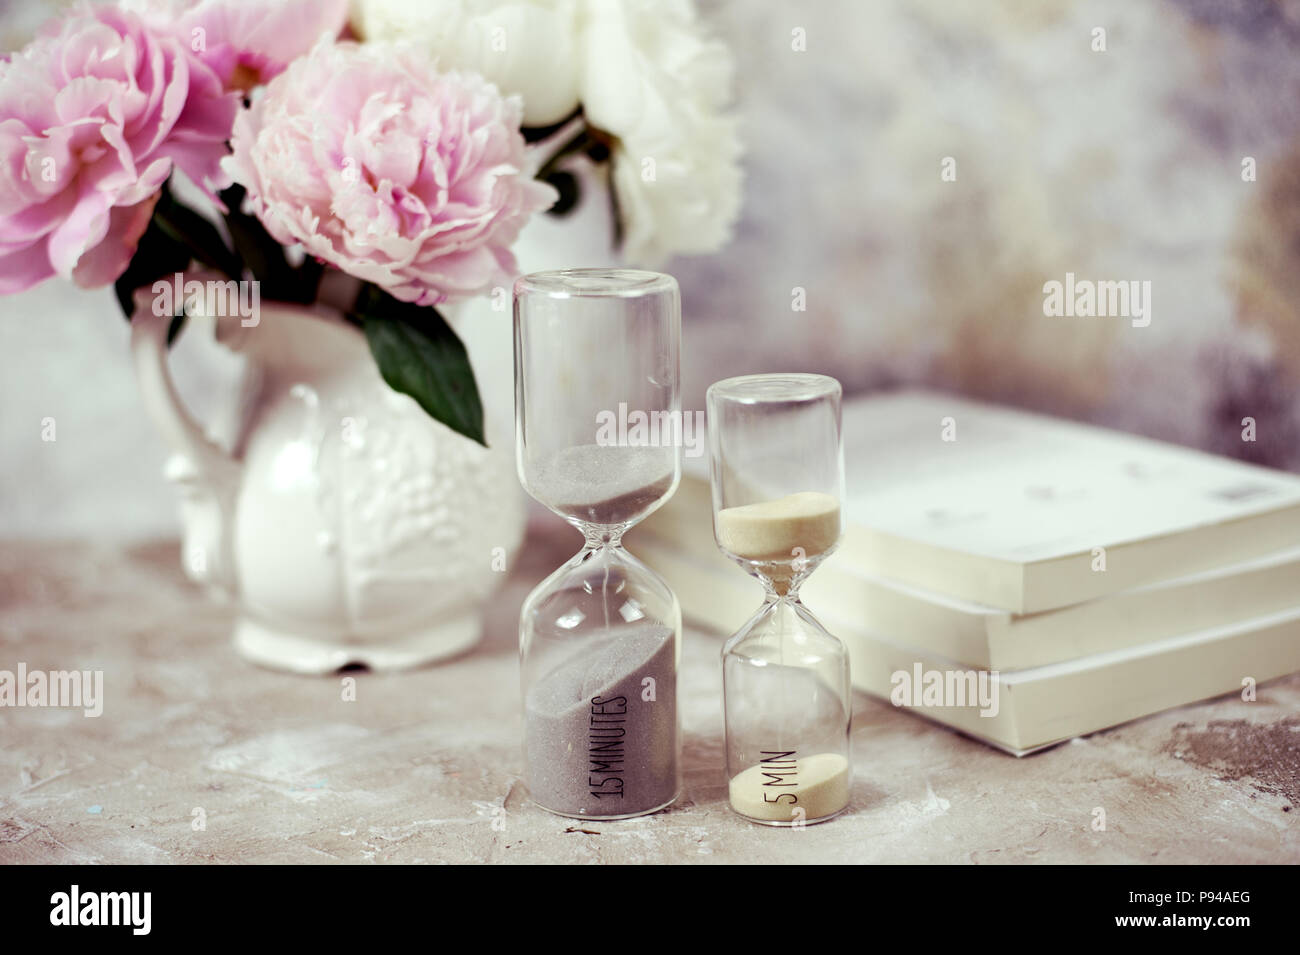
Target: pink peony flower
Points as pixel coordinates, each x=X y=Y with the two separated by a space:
x=93 y=115
x=389 y=170
x=245 y=42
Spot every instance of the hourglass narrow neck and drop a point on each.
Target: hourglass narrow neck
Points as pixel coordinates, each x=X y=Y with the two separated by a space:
x=596 y=536
x=780 y=580
x=772 y=596
x=778 y=589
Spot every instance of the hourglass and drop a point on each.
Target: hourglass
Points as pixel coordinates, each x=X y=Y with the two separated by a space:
x=777 y=475
x=596 y=392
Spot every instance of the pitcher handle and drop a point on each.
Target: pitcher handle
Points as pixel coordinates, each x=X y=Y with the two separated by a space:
x=208 y=477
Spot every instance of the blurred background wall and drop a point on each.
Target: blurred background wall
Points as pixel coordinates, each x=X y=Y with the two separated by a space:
x=1125 y=164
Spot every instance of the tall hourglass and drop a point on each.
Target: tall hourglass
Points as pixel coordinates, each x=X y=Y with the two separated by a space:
x=777 y=474
x=597 y=395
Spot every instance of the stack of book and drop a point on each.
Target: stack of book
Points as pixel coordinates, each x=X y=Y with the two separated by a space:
x=1092 y=577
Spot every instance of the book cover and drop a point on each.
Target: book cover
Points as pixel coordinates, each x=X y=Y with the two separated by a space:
x=1025 y=513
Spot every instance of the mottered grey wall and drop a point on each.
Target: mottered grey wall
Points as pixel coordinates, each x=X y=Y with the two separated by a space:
x=1171 y=156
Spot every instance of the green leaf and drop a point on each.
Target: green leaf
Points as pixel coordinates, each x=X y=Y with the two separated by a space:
x=306 y=279
x=581 y=141
x=157 y=255
x=186 y=227
x=566 y=184
x=616 y=215
x=535 y=134
x=175 y=328
x=265 y=257
x=261 y=253
x=420 y=355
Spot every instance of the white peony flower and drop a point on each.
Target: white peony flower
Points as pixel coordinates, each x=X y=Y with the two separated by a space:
x=643 y=72
x=652 y=80
x=529 y=47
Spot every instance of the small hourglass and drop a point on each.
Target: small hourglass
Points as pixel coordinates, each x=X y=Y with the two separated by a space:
x=596 y=395
x=777 y=474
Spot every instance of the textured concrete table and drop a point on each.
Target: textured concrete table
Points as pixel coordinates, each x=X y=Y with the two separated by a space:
x=424 y=766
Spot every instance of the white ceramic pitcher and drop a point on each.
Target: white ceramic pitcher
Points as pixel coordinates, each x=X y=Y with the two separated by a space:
x=348 y=526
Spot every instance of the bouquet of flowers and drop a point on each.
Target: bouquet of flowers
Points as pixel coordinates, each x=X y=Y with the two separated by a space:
x=402 y=142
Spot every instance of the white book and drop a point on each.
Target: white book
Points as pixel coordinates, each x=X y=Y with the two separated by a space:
x=980 y=636
x=1037 y=706
x=1024 y=513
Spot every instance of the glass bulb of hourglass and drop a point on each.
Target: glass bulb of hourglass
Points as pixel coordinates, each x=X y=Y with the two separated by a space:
x=600 y=651
x=777 y=477
x=600 y=638
x=785 y=686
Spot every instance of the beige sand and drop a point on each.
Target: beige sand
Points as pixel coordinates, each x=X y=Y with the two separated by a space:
x=821 y=788
x=771 y=530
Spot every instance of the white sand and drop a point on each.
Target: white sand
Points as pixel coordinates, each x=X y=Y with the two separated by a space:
x=821 y=788
x=635 y=771
x=603 y=485
x=771 y=530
